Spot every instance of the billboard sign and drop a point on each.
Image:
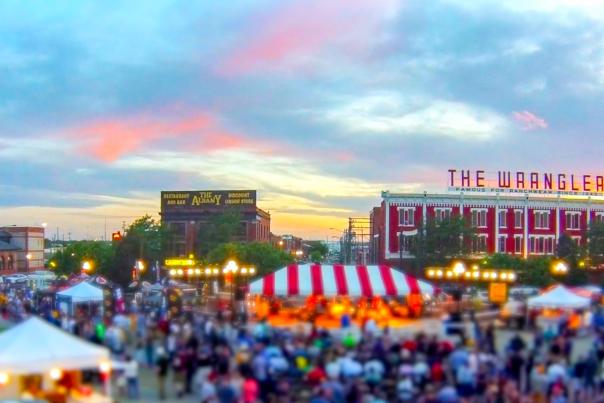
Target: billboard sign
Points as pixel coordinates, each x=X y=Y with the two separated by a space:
x=207 y=199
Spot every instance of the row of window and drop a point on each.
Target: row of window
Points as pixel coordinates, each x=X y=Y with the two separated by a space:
x=478 y=218
x=539 y=245
x=6 y=263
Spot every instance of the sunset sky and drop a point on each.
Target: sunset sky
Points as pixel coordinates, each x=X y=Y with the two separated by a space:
x=319 y=105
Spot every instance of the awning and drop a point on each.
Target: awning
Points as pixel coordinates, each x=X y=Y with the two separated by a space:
x=559 y=297
x=332 y=280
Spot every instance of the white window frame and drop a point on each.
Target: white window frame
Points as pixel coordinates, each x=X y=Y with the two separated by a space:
x=518 y=243
x=541 y=223
x=481 y=239
x=573 y=215
x=502 y=213
x=442 y=213
x=542 y=245
x=521 y=212
x=405 y=244
x=599 y=216
x=577 y=239
x=410 y=212
x=479 y=214
x=505 y=243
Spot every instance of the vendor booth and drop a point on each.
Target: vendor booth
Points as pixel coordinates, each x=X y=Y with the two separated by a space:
x=39 y=360
x=559 y=297
x=556 y=306
x=329 y=295
x=83 y=293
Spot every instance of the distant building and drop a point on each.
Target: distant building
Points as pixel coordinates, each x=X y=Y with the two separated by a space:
x=287 y=243
x=21 y=249
x=522 y=226
x=185 y=213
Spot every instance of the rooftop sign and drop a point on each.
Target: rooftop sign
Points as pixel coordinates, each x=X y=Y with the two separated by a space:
x=207 y=199
x=545 y=183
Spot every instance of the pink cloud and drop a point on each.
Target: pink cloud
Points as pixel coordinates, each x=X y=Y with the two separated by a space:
x=109 y=139
x=300 y=29
x=529 y=121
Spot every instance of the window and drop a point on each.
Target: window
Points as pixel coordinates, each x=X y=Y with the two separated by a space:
x=599 y=218
x=541 y=245
x=502 y=242
x=572 y=220
x=503 y=218
x=442 y=214
x=406 y=216
x=406 y=243
x=10 y=263
x=479 y=218
x=2 y=263
x=518 y=244
x=577 y=240
x=479 y=244
x=542 y=219
x=518 y=219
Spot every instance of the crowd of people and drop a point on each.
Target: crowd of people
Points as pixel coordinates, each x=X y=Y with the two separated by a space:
x=199 y=356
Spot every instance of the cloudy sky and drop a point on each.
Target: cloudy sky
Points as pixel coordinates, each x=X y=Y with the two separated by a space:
x=318 y=104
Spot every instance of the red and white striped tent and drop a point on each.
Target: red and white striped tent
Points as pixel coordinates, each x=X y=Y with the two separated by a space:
x=332 y=280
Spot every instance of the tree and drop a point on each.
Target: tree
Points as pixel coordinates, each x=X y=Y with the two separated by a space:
x=69 y=260
x=568 y=250
x=263 y=256
x=317 y=251
x=440 y=241
x=595 y=239
x=144 y=239
x=533 y=271
x=221 y=229
x=316 y=257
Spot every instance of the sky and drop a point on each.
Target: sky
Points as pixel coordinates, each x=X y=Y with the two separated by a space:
x=319 y=105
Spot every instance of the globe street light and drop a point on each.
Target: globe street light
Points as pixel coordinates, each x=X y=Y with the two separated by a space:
x=86 y=266
x=559 y=268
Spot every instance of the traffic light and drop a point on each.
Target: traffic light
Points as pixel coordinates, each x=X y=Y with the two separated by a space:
x=116 y=236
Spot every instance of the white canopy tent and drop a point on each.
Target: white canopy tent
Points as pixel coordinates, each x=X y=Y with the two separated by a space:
x=80 y=293
x=559 y=297
x=36 y=347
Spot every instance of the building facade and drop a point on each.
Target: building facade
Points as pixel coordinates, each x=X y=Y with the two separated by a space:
x=21 y=249
x=520 y=226
x=187 y=213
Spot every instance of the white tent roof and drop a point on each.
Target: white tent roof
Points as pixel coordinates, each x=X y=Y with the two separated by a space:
x=559 y=297
x=83 y=292
x=36 y=346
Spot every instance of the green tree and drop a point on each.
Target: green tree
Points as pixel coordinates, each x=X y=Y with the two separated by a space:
x=534 y=271
x=317 y=251
x=595 y=239
x=440 y=241
x=568 y=250
x=144 y=239
x=263 y=256
x=221 y=229
x=69 y=260
x=316 y=257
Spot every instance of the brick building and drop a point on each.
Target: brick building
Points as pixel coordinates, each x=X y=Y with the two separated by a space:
x=21 y=249
x=186 y=213
x=517 y=225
